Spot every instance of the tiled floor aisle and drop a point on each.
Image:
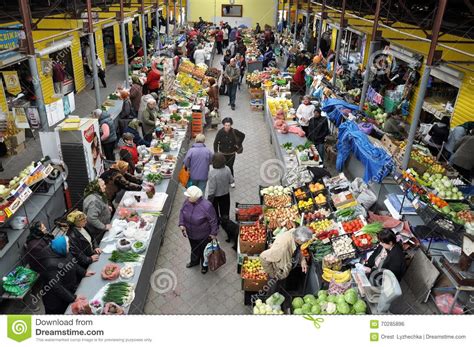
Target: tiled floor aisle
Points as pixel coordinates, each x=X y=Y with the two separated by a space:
x=215 y=292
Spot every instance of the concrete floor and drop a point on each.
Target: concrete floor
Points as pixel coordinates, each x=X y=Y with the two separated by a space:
x=215 y=292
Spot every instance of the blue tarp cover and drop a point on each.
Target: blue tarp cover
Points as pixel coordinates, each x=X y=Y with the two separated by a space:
x=378 y=164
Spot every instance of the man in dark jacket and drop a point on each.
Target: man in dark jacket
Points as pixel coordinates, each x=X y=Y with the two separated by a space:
x=318 y=129
x=60 y=275
x=229 y=141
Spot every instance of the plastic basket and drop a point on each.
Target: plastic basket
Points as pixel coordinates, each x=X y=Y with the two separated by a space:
x=246 y=218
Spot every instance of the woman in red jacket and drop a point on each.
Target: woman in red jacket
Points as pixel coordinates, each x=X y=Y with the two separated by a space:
x=153 y=79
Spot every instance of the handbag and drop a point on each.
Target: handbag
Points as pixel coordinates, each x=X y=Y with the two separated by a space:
x=217 y=257
x=183 y=176
x=240 y=148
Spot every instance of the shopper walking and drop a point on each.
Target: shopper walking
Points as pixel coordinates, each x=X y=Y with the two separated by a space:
x=219 y=40
x=229 y=141
x=197 y=161
x=136 y=93
x=304 y=113
x=220 y=180
x=232 y=76
x=225 y=29
x=108 y=133
x=198 y=223
x=38 y=239
x=97 y=209
x=117 y=178
x=100 y=71
x=60 y=276
x=318 y=130
x=83 y=246
x=150 y=116
x=213 y=94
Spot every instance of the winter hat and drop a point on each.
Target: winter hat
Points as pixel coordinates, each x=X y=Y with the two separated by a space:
x=136 y=79
x=60 y=245
x=75 y=217
x=193 y=193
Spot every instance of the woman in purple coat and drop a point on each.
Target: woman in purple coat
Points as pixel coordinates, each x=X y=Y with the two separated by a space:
x=197 y=161
x=198 y=223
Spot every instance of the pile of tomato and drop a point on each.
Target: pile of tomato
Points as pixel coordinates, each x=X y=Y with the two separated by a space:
x=352 y=226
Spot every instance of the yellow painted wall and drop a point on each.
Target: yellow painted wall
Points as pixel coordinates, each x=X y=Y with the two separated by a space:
x=463 y=108
x=149 y=24
x=118 y=44
x=140 y=25
x=261 y=11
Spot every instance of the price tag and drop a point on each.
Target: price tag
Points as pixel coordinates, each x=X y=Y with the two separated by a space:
x=10 y=210
x=326 y=240
x=25 y=194
x=47 y=171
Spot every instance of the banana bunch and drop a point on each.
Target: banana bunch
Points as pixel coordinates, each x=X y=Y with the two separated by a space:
x=338 y=276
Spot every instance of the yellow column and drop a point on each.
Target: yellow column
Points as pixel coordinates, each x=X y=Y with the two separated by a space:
x=77 y=66
x=118 y=44
x=3 y=99
x=130 y=32
x=99 y=46
x=333 y=39
x=140 y=25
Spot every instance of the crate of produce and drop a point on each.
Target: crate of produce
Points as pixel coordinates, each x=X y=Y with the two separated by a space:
x=276 y=196
x=307 y=205
x=319 y=249
x=302 y=193
x=287 y=217
x=343 y=247
x=343 y=199
x=256 y=108
x=252 y=238
x=315 y=188
x=353 y=225
x=363 y=241
x=321 y=213
x=322 y=225
x=248 y=212
x=253 y=276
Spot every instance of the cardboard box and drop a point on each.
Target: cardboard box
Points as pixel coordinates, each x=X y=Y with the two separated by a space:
x=247 y=247
x=17 y=139
x=390 y=145
x=253 y=285
x=17 y=149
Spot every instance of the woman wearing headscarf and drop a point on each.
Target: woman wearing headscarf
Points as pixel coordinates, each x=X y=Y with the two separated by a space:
x=38 y=239
x=83 y=246
x=127 y=111
x=60 y=275
x=97 y=209
x=117 y=178
x=136 y=91
x=150 y=115
x=133 y=128
x=198 y=223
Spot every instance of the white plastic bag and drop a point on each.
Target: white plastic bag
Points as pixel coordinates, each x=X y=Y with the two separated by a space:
x=364 y=195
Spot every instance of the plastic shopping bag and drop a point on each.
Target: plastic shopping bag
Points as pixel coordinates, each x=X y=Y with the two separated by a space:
x=364 y=195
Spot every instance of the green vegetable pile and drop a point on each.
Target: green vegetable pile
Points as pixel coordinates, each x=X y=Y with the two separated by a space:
x=347 y=303
x=345 y=214
x=320 y=249
x=287 y=146
x=372 y=229
x=124 y=257
x=119 y=293
x=154 y=178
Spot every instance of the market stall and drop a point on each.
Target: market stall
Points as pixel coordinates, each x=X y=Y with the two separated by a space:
x=35 y=195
